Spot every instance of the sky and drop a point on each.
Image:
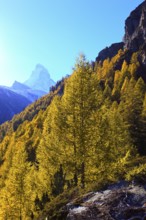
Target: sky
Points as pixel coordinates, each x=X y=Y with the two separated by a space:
x=54 y=32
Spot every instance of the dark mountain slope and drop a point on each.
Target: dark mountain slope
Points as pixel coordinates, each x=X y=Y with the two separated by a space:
x=31 y=110
x=11 y=103
x=109 y=52
x=15 y=98
x=36 y=86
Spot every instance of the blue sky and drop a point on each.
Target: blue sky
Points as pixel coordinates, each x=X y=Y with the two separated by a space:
x=54 y=32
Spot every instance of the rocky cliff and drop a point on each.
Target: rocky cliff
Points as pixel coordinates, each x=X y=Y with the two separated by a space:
x=109 y=52
x=134 y=40
x=135 y=29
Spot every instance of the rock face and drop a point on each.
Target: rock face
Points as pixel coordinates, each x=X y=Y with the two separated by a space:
x=40 y=79
x=121 y=201
x=109 y=52
x=134 y=38
x=135 y=29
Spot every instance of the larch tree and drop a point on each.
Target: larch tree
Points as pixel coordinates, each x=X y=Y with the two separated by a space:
x=82 y=97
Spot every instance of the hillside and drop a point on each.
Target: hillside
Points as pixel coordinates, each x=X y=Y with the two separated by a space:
x=11 y=103
x=87 y=133
x=30 y=111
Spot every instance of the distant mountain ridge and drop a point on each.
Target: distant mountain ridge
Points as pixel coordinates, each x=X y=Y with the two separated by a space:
x=26 y=91
x=11 y=103
x=15 y=98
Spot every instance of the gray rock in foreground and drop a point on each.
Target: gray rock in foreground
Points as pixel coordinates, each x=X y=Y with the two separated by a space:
x=118 y=202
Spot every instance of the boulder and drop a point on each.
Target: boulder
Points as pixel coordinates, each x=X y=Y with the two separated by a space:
x=118 y=202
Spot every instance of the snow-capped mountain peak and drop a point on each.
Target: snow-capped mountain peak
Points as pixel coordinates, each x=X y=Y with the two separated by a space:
x=40 y=79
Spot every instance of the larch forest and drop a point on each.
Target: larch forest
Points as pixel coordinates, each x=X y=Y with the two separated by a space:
x=89 y=131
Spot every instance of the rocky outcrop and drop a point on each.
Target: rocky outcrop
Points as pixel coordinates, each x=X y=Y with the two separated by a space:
x=109 y=52
x=134 y=41
x=135 y=29
x=134 y=38
x=121 y=201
